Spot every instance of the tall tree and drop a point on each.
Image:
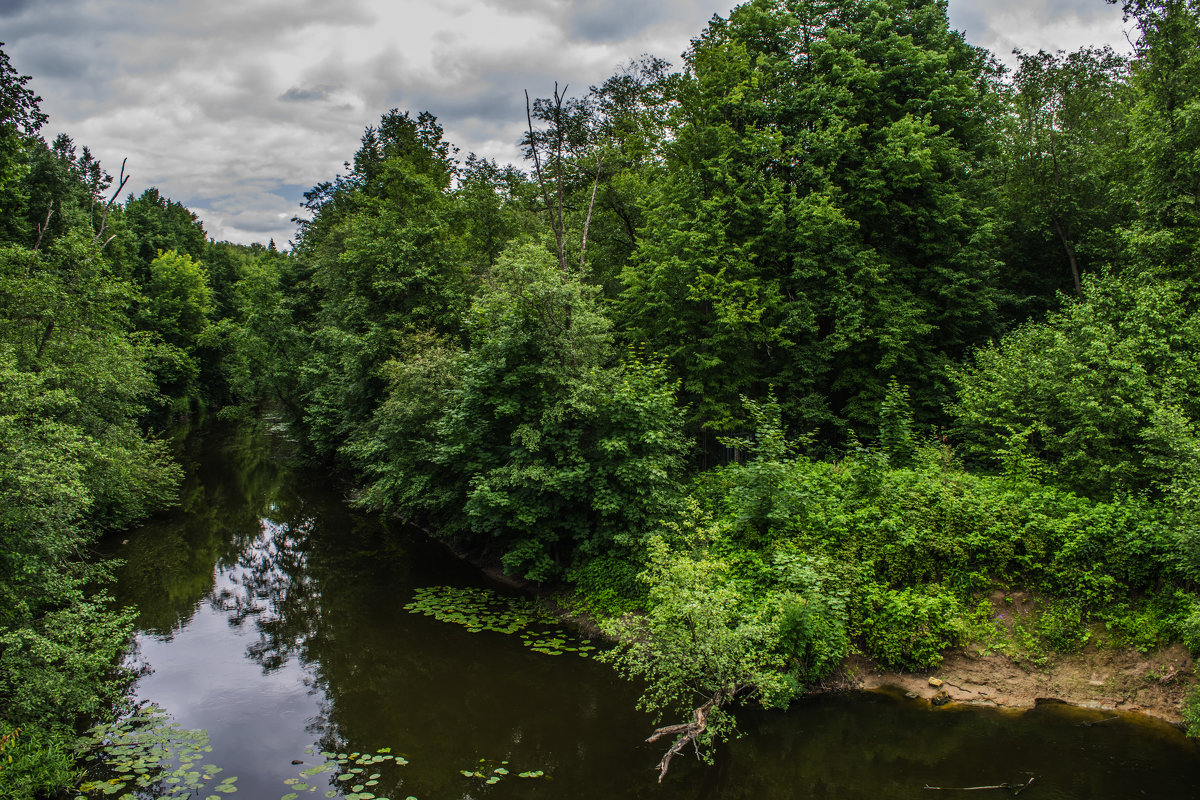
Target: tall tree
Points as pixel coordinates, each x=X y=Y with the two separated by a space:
x=1166 y=134
x=380 y=257
x=20 y=119
x=814 y=225
x=1063 y=171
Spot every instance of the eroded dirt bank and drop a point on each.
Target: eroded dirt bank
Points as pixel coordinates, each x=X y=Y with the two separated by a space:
x=1122 y=680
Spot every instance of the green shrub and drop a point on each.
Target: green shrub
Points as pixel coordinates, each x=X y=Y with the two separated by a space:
x=910 y=627
x=1061 y=627
x=607 y=587
x=34 y=763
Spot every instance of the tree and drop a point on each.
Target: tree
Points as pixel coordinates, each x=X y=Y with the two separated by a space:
x=378 y=258
x=531 y=446
x=159 y=224
x=1166 y=134
x=1062 y=178
x=20 y=120
x=1104 y=391
x=815 y=224
x=702 y=645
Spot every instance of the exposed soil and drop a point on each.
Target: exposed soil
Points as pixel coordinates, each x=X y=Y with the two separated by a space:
x=1152 y=683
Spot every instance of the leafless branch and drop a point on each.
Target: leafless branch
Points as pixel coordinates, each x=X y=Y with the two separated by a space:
x=588 y=221
x=108 y=204
x=43 y=227
x=537 y=166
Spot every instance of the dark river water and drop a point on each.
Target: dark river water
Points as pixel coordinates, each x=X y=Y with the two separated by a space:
x=272 y=616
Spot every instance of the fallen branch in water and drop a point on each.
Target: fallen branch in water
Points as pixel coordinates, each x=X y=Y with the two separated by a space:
x=688 y=732
x=1097 y=722
x=1015 y=788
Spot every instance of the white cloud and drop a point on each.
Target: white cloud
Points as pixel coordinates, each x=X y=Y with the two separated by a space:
x=229 y=107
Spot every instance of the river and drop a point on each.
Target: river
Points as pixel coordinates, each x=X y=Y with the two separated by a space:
x=272 y=615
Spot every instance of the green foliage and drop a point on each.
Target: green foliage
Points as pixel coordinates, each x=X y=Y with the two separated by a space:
x=158 y=224
x=815 y=613
x=814 y=224
x=179 y=299
x=1104 y=391
x=553 y=452
x=606 y=587
x=701 y=639
x=1191 y=713
x=1062 y=626
x=1164 y=137
x=380 y=258
x=1063 y=173
x=34 y=761
x=909 y=627
x=20 y=119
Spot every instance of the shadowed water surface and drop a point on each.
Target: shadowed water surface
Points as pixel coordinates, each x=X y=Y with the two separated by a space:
x=272 y=616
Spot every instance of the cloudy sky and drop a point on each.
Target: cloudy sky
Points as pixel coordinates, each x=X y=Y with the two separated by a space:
x=235 y=107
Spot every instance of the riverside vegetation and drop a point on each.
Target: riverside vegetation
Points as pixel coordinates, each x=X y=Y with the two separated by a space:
x=801 y=350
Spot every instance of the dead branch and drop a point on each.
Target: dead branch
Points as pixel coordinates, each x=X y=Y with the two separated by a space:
x=1096 y=722
x=588 y=221
x=537 y=166
x=124 y=179
x=558 y=158
x=688 y=732
x=43 y=227
x=1015 y=788
x=110 y=201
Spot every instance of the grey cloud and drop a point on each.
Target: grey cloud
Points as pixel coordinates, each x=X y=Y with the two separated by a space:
x=56 y=61
x=11 y=8
x=613 y=20
x=298 y=95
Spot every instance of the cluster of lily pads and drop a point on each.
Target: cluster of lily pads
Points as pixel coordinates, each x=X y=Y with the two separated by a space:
x=498 y=773
x=354 y=770
x=475 y=609
x=147 y=754
x=481 y=610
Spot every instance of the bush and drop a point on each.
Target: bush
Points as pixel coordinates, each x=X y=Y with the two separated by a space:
x=1106 y=391
x=910 y=627
x=34 y=762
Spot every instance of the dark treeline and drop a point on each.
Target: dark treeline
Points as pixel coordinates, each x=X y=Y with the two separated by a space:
x=805 y=348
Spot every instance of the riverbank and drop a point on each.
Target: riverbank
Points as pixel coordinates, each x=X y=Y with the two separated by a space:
x=1102 y=676
x=1153 y=683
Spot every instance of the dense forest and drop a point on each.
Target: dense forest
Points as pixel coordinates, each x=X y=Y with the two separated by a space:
x=798 y=350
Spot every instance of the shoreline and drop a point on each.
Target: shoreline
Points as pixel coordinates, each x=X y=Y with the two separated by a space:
x=1120 y=679
x=1153 y=684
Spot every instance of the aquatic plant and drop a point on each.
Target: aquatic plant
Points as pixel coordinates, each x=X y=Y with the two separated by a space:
x=148 y=755
x=492 y=775
x=481 y=610
x=351 y=772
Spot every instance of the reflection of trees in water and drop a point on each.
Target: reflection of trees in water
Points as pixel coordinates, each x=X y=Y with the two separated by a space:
x=272 y=584
x=279 y=553
x=327 y=587
x=233 y=474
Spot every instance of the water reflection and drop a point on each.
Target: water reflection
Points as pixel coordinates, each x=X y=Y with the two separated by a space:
x=272 y=616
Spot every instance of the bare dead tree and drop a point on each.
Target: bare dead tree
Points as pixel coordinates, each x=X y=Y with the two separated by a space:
x=555 y=224
x=108 y=204
x=687 y=733
x=587 y=222
x=43 y=227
